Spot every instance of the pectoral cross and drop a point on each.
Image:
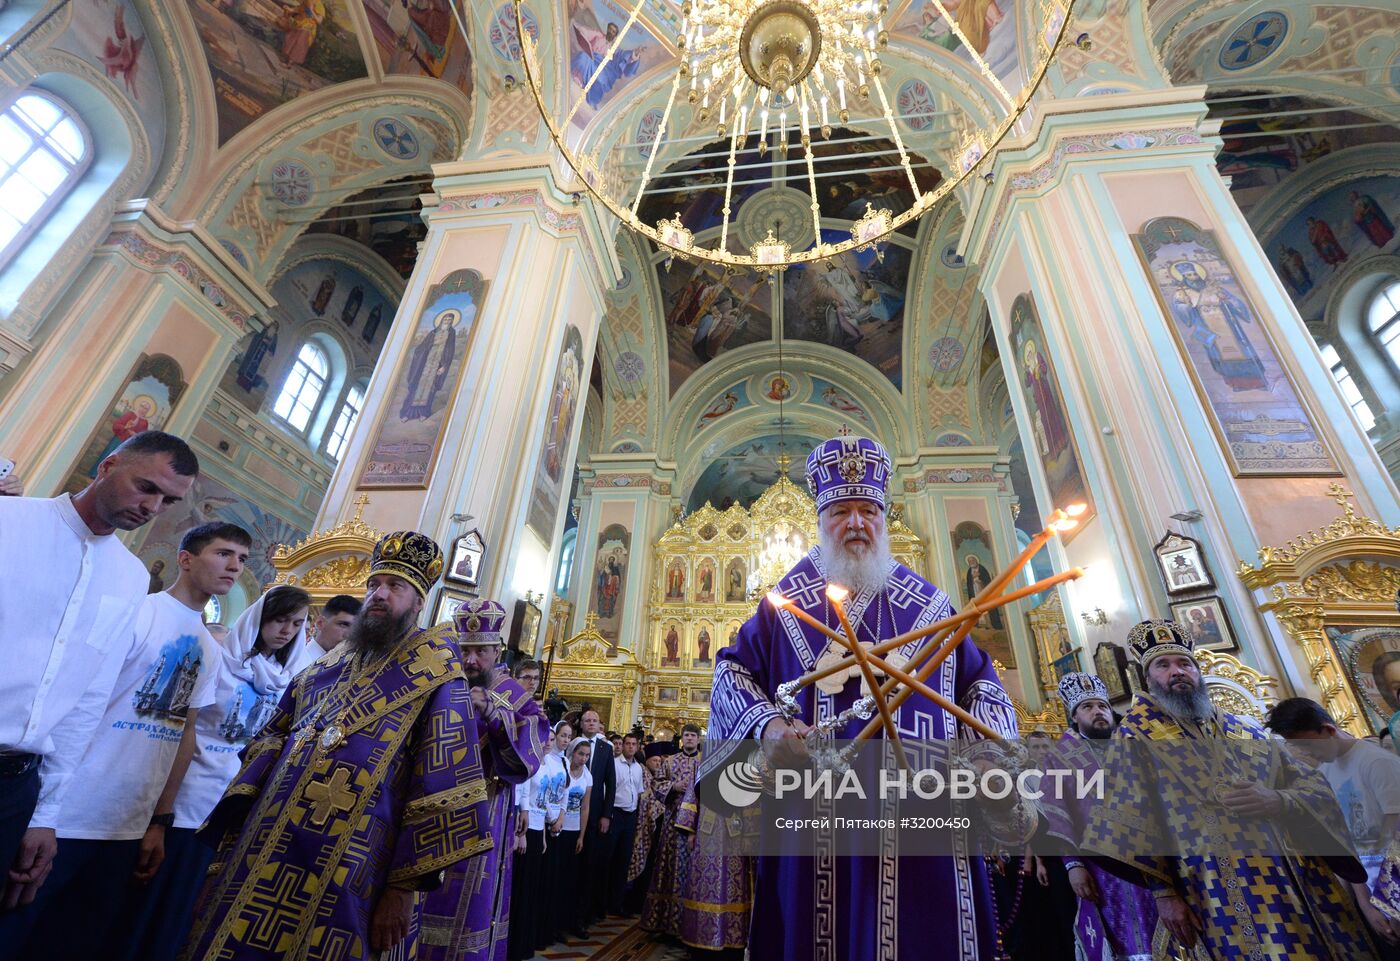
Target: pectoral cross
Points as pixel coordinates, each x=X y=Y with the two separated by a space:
x=835 y=653
x=330 y=797
x=432 y=661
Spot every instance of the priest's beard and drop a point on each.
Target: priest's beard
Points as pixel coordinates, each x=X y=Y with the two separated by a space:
x=1194 y=705
x=376 y=631
x=1097 y=732
x=868 y=570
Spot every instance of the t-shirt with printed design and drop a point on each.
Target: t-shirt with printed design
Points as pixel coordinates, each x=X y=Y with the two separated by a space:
x=166 y=674
x=573 y=799
x=1366 y=780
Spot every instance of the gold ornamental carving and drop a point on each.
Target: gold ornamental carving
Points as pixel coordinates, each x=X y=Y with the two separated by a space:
x=1342 y=577
x=586 y=671
x=329 y=562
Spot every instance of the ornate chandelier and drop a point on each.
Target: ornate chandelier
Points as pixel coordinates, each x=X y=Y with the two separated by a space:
x=777 y=76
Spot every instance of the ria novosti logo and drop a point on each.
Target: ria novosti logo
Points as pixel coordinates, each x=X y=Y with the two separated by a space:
x=739 y=783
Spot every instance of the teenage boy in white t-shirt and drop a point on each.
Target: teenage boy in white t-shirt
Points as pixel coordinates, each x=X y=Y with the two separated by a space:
x=113 y=818
x=1366 y=780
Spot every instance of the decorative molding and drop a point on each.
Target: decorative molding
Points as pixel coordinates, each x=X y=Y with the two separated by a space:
x=156 y=257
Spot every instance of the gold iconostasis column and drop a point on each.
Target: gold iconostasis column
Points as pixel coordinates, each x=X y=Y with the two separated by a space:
x=1157 y=367
x=473 y=415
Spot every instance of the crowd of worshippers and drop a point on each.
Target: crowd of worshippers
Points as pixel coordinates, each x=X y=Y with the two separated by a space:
x=287 y=785
x=353 y=785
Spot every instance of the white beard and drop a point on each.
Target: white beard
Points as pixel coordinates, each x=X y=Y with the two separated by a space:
x=869 y=570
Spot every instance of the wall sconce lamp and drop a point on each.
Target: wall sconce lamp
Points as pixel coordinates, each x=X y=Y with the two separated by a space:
x=1095 y=618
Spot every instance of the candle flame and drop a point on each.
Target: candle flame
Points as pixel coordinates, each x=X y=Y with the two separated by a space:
x=837 y=593
x=1076 y=510
x=778 y=600
x=1066 y=524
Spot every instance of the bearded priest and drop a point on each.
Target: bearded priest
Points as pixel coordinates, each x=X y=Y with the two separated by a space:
x=856 y=908
x=361 y=789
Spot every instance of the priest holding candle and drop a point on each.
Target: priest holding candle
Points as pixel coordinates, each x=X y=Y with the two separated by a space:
x=933 y=685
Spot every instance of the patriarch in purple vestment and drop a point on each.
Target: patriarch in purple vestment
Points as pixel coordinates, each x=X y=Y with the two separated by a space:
x=1116 y=920
x=360 y=790
x=856 y=908
x=468 y=918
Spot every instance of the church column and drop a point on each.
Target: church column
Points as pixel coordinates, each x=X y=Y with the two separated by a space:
x=959 y=507
x=138 y=341
x=622 y=510
x=1149 y=387
x=473 y=414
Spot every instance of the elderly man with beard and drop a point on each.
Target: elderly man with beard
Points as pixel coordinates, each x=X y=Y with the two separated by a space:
x=859 y=907
x=364 y=785
x=1115 y=920
x=469 y=916
x=1245 y=850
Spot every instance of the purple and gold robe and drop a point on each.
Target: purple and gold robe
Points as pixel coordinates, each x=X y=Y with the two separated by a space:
x=827 y=908
x=675 y=787
x=650 y=809
x=366 y=776
x=1253 y=906
x=716 y=894
x=1385 y=892
x=1122 y=925
x=469 y=916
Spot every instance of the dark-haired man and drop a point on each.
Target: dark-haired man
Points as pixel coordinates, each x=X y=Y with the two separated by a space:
x=1114 y=918
x=112 y=822
x=1209 y=810
x=334 y=622
x=69 y=592
x=468 y=917
x=598 y=842
x=362 y=787
x=1366 y=780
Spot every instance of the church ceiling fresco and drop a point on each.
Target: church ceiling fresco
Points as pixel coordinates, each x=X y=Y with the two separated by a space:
x=113 y=39
x=592 y=26
x=387 y=219
x=1269 y=139
x=707 y=312
x=1345 y=225
x=854 y=301
x=421 y=38
x=741 y=473
x=262 y=53
x=988 y=25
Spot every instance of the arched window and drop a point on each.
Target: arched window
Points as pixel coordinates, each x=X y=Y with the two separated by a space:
x=345 y=421
x=1383 y=317
x=1353 y=396
x=302 y=390
x=566 y=562
x=43 y=153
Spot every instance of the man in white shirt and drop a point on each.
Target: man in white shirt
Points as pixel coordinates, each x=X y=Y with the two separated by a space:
x=630 y=783
x=111 y=824
x=335 y=620
x=69 y=592
x=1366 y=780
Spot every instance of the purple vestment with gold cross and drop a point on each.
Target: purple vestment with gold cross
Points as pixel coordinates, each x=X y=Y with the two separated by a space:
x=1254 y=902
x=368 y=775
x=860 y=908
x=469 y=916
x=1122 y=925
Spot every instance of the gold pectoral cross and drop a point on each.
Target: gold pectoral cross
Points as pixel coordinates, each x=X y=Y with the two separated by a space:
x=432 y=661
x=330 y=797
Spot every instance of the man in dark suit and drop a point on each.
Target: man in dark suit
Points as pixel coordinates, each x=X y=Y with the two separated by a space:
x=598 y=843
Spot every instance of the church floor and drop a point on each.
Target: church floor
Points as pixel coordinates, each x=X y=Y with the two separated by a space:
x=622 y=939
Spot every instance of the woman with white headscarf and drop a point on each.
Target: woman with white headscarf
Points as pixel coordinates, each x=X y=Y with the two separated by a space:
x=262 y=652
